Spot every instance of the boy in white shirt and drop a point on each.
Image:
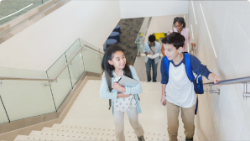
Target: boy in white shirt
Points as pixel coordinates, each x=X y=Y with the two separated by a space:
x=177 y=90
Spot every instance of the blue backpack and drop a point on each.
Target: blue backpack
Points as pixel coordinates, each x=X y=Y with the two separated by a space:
x=198 y=84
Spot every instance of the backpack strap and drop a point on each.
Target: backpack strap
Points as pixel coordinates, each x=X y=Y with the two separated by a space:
x=108 y=80
x=188 y=67
x=190 y=75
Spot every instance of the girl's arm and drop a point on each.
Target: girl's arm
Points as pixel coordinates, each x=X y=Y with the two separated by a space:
x=136 y=89
x=123 y=95
x=129 y=90
x=104 y=90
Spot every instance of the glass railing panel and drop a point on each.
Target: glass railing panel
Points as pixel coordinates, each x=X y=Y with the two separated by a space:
x=91 y=45
x=3 y=115
x=62 y=87
x=76 y=67
x=12 y=9
x=92 y=60
x=24 y=99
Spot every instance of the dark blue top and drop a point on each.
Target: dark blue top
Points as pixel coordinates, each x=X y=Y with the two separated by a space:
x=197 y=68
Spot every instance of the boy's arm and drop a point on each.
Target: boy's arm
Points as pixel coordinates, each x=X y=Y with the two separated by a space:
x=164 y=76
x=163 y=89
x=200 y=69
x=164 y=81
x=163 y=97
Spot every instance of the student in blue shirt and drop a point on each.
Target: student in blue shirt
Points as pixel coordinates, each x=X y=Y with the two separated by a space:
x=177 y=90
x=150 y=48
x=123 y=99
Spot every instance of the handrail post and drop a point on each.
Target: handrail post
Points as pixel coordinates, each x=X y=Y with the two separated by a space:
x=245 y=93
x=213 y=91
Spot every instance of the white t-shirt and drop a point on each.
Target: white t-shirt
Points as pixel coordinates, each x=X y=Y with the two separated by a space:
x=123 y=104
x=180 y=90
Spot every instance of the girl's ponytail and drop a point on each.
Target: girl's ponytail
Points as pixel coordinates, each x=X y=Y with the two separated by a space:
x=105 y=65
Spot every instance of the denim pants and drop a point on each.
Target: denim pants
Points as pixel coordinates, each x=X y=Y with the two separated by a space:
x=151 y=62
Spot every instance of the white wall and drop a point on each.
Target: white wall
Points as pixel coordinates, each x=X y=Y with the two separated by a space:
x=134 y=9
x=39 y=45
x=225 y=116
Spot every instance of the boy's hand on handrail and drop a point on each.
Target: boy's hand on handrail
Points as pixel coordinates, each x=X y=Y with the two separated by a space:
x=215 y=78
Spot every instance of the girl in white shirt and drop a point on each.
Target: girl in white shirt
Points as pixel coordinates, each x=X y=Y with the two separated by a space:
x=122 y=99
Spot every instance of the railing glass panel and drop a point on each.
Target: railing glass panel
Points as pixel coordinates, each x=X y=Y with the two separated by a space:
x=62 y=87
x=76 y=67
x=92 y=60
x=3 y=115
x=23 y=99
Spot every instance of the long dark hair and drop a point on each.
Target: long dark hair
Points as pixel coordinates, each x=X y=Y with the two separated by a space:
x=108 y=56
x=180 y=20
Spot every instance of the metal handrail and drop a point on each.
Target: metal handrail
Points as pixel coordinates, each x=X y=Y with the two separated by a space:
x=42 y=79
x=241 y=80
x=230 y=81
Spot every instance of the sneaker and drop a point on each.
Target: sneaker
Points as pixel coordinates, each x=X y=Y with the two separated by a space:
x=141 y=138
x=189 y=139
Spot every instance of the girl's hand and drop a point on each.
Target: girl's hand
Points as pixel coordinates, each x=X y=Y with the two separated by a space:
x=118 y=87
x=163 y=100
x=123 y=95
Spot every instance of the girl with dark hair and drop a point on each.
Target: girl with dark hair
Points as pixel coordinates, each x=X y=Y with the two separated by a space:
x=122 y=99
x=180 y=27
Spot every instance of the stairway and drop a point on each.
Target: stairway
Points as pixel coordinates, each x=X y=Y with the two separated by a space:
x=90 y=119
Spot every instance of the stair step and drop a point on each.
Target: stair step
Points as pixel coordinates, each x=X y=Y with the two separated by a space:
x=81 y=128
x=49 y=133
x=28 y=138
x=70 y=136
x=75 y=129
x=80 y=132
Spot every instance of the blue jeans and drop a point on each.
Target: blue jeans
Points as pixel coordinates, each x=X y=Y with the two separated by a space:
x=151 y=62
